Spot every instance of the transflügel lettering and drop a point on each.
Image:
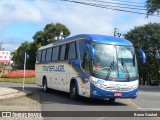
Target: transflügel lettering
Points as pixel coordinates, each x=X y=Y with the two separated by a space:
x=54 y=68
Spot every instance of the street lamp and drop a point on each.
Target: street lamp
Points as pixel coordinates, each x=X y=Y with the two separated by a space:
x=157 y=54
x=56 y=38
x=61 y=35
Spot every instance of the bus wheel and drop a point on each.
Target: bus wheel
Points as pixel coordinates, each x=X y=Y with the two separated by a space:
x=112 y=99
x=45 y=88
x=74 y=91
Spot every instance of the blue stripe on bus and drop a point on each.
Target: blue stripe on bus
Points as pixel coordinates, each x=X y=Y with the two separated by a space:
x=100 y=93
x=96 y=38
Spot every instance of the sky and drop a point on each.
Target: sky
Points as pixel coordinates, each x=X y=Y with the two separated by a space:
x=21 y=19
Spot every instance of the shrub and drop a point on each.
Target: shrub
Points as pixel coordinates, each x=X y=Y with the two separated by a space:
x=19 y=74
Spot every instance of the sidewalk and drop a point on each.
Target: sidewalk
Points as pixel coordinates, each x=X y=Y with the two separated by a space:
x=29 y=104
x=7 y=93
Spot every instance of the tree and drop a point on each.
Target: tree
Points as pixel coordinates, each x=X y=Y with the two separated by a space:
x=147 y=37
x=152 y=6
x=18 y=55
x=50 y=33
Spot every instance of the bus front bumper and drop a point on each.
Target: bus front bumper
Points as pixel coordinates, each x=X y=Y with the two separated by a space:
x=96 y=92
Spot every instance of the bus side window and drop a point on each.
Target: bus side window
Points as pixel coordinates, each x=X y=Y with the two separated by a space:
x=56 y=55
x=82 y=46
x=49 y=53
x=38 y=57
x=62 y=52
x=43 y=55
x=53 y=53
x=72 y=51
x=66 y=51
x=86 y=61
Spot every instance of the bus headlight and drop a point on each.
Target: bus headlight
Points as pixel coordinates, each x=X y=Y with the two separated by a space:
x=97 y=84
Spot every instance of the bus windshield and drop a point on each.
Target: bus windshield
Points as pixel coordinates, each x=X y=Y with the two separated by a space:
x=114 y=62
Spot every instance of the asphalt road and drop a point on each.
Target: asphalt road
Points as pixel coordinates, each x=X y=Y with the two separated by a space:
x=147 y=100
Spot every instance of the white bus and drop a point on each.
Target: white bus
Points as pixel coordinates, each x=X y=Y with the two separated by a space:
x=93 y=66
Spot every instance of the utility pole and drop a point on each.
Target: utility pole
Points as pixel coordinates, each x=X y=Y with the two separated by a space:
x=24 y=71
x=116 y=32
x=24 y=75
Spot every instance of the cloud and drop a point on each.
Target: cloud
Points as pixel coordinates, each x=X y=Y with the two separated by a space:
x=86 y=19
x=10 y=43
x=18 y=10
x=78 y=18
x=138 y=20
x=15 y=12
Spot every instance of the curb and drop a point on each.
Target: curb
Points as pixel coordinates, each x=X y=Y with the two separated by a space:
x=15 y=82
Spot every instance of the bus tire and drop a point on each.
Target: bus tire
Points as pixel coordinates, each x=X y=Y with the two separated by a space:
x=45 y=88
x=74 y=91
x=112 y=99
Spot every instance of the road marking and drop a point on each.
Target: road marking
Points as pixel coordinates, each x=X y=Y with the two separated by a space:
x=130 y=103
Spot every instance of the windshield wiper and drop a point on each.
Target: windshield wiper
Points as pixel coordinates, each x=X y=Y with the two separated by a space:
x=125 y=66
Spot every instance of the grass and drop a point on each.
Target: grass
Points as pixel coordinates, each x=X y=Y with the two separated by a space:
x=18 y=80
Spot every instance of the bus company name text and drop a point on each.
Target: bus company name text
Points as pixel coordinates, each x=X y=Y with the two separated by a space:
x=58 y=68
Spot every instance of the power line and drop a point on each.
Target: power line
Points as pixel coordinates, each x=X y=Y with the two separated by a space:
x=106 y=7
x=110 y=4
x=102 y=6
x=100 y=1
x=129 y=2
x=128 y=7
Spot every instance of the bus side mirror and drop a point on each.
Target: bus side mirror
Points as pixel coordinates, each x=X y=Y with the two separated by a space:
x=91 y=50
x=141 y=54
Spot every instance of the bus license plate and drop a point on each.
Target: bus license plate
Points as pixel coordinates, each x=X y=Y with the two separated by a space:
x=118 y=94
